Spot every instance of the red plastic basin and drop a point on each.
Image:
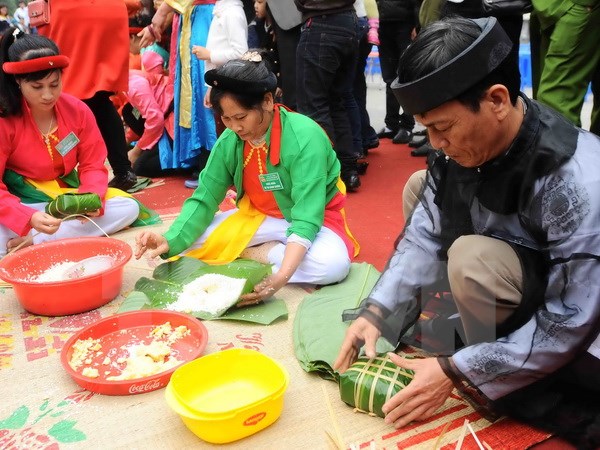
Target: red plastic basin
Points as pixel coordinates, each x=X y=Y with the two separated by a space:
x=60 y=298
x=116 y=332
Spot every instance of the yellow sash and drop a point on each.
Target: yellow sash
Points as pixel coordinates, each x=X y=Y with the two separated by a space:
x=52 y=189
x=232 y=236
x=342 y=188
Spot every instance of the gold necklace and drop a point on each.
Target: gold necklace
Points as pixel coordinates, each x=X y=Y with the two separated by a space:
x=49 y=136
x=258 y=149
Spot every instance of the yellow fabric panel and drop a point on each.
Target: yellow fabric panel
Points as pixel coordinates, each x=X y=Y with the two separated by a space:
x=232 y=236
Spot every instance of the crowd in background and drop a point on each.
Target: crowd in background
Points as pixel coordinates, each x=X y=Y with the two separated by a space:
x=318 y=51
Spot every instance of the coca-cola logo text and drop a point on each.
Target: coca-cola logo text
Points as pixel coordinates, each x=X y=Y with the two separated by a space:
x=149 y=385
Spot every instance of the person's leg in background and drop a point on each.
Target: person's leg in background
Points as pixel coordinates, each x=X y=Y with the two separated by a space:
x=512 y=25
x=287 y=43
x=535 y=43
x=134 y=121
x=111 y=127
x=351 y=103
x=368 y=135
x=325 y=67
x=394 y=37
x=570 y=60
x=348 y=143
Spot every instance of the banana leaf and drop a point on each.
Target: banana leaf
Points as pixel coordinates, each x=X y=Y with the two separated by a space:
x=65 y=205
x=177 y=271
x=160 y=293
x=369 y=383
x=170 y=278
x=318 y=328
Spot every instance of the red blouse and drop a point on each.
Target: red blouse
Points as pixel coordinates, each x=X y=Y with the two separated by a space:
x=23 y=150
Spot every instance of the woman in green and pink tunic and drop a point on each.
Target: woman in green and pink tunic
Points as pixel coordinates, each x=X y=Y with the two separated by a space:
x=289 y=194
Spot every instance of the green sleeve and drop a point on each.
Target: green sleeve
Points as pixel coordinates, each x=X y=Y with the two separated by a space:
x=313 y=169
x=199 y=210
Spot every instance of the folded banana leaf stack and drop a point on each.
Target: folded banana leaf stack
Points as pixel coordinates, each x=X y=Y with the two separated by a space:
x=318 y=328
x=369 y=383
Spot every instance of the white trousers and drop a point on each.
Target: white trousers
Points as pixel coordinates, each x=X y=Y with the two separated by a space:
x=119 y=212
x=325 y=262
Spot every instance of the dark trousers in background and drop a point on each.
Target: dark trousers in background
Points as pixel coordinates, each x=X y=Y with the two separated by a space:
x=368 y=134
x=350 y=98
x=287 y=43
x=394 y=37
x=111 y=127
x=325 y=64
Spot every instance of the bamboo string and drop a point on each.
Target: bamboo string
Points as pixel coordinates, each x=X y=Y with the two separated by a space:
x=439 y=439
x=338 y=435
x=70 y=216
x=461 y=438
x=475 y=436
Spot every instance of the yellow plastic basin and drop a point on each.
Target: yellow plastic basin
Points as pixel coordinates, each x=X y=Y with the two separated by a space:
x=226 y=396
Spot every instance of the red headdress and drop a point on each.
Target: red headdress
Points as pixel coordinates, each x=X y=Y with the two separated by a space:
x=36 y=64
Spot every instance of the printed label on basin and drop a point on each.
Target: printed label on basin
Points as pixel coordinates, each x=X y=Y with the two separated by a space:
x=253 y=420
x=150 y=385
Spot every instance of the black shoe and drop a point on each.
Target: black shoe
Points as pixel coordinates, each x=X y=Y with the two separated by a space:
x=422 y=132
x=371 y=143
x=423 y=150
x=362 y=166
x=352 y=181
x=403 y=136
x=123 y=182
x=417 y=141
x=385 y=132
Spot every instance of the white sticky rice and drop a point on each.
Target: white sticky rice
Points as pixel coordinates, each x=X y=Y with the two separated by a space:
x=211 y=293
x=55 y=272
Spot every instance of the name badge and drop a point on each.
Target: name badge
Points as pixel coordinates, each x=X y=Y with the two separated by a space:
x=270 y=182
x=67 y=144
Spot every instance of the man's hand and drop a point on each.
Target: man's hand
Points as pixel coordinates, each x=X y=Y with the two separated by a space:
x=361 y=332
x=422 y=397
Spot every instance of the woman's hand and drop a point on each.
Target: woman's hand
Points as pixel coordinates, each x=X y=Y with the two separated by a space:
x=201 y=52
x=292 y=257
x=147 y=38
x=147 y=240
x=44 y=223
x=160 y=20
x=263 y=290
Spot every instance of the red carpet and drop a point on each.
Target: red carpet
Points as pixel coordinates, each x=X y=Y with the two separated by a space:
x=374 y=213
